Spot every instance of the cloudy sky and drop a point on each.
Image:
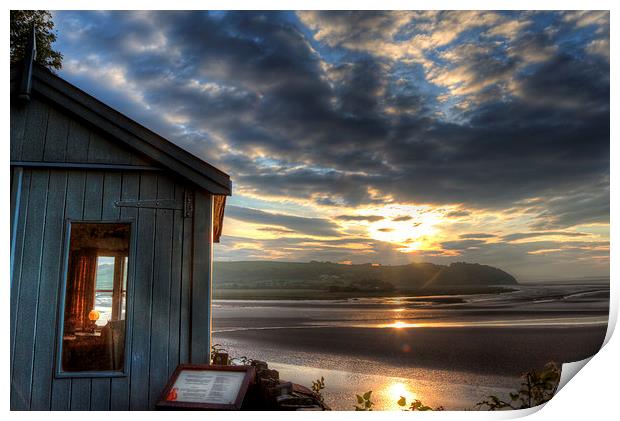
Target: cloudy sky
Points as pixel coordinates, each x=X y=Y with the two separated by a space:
x=377 y=137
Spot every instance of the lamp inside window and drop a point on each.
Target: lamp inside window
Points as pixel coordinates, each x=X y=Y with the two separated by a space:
x=96 y=297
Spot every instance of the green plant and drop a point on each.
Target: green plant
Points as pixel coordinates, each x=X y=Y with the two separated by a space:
x=243 y=360
x=317 y=386
x=216 y=349
x=363 y=402
x=417 y=405
x=538 y=387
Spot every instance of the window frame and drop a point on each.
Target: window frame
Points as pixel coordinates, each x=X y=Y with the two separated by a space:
x=59 y=373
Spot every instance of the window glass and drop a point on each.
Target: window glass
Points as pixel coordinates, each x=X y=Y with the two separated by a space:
x=95 y=300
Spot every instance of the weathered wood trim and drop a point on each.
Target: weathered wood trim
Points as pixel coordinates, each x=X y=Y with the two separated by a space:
x=202 y=251
x=130 y=132
x=59 y=374
x=84 y=166
x=67 y=392
x=120 y=390
x=16 y=192
x=26 y=311
x=174 y=321
x=142 y=298
x=219 y=203
x=51 y=266
x=16 y=287
x=160 y=292
x=185 y=334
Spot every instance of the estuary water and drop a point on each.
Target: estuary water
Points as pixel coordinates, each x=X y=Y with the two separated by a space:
x=448 y=350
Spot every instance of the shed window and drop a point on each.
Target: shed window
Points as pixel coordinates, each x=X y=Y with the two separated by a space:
x=96 y=297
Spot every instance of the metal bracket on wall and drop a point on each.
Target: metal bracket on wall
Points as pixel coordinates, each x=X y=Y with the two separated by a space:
x=187 y=205
x=150 y=204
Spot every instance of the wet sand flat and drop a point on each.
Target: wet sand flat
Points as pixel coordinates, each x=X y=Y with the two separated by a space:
x=486 y=350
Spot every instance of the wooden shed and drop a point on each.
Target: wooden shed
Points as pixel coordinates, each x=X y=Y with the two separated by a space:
x=112 y=232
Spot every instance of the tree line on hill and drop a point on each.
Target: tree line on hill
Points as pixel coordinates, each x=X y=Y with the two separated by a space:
x=361 y=277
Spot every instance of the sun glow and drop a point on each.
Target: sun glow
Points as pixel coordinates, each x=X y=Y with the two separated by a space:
x=399 y=324
x=412 y=227
x=397 y=390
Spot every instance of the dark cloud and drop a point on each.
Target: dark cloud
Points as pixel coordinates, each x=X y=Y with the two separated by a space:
x=402 y=218
x=458 y=214
x=276 y=230
x=476 y=235
x=310 y=226
x=588 y=205
x=461 y=244
x=272 y=91
x=523 y=235
x=332 y=122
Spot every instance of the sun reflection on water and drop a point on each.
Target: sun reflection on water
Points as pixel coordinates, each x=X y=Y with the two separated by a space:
x=394 y=391
x=399 y=324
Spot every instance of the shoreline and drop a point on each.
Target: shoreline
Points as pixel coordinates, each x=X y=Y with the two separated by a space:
x=277 y=294
x=482 y=350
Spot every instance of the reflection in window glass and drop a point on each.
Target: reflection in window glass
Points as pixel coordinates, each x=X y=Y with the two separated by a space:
x=95 y=300
x=104 y=288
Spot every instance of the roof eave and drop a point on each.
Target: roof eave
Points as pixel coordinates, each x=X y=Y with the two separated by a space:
x=133 y=134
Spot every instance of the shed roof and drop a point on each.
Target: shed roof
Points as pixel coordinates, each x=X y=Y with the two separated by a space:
x=53 y=88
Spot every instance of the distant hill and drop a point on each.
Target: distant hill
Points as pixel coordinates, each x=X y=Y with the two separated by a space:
x=364 y=277
x=465 y=274
x=105 y=276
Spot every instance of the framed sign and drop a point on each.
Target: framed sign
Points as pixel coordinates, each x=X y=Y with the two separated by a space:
x=207 y=387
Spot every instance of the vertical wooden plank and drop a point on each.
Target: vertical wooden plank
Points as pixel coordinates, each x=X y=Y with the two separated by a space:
x=25 y=329
x=143 y=282
x=102 y=150
x=18 y=125
x=93 y=195
x=80 y=394
x=174 y=322
x=48 y=292
x=71 y=393
x=130 y=190
x=17 y=178
x=34 y=134
x=19 y=248
x=112 y=185
x=100 y=393
x=201 y=278
x=56 y=137
x=186 y=288
x=61 y=395
x=160 y=303
x=77 y=142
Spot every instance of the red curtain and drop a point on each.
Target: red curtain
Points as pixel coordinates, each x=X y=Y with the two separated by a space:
x=80 y=298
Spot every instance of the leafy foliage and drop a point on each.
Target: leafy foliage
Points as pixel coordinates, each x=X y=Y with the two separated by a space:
x=219 y=349
x=538 y=387
x=417 y=405
x=317 y=386
x=364 y=402
x=21 y=27
x=216 y=349
x=243 y=360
